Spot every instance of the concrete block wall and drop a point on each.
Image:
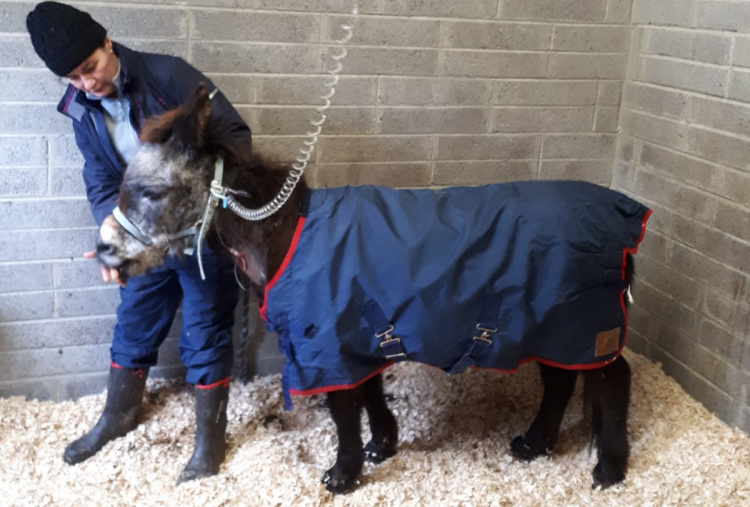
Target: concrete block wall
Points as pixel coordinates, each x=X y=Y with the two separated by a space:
x=685 y=150
x=434 y=93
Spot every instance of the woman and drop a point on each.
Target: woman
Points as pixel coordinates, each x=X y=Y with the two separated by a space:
x=112 y=90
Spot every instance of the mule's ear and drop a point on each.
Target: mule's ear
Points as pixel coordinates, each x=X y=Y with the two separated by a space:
x=158 y=129
x=187 y=124
x=190 y=126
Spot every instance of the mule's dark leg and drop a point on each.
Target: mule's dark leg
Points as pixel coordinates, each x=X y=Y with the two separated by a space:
x=607 y=396
x=541 y=436
x=382 y=423
x=346 y=410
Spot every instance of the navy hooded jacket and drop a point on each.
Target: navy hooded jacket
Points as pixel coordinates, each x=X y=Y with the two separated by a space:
x=539 y=265
x=155 y=84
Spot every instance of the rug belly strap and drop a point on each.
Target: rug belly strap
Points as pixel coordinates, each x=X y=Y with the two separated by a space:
x=482 y=344
x=391 y=345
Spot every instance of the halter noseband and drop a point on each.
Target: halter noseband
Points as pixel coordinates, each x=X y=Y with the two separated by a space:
x=141 y=236
x=130 y=227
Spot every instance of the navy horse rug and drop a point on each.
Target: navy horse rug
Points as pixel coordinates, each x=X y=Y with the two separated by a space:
x=486 y=277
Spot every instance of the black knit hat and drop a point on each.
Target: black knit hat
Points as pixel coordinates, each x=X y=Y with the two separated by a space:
x=63 y=36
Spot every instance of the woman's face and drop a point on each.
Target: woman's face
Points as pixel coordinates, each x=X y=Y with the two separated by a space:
x=96 y=73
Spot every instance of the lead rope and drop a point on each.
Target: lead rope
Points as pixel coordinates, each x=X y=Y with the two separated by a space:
x=298 y=168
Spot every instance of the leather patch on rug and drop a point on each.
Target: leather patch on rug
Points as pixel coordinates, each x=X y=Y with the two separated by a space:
x=607 y=342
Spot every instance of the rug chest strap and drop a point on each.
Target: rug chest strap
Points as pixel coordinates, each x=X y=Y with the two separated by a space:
x=391 y=345
x=285 y=345
x=481 y=344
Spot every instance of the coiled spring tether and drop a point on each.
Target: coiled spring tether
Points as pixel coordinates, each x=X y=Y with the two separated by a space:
x=298 y=168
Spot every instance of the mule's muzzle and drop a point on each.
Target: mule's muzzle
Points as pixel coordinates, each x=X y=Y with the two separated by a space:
x=106 y=254
x=105 y=249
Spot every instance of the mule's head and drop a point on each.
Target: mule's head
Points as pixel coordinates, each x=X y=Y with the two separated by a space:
x=164 y=190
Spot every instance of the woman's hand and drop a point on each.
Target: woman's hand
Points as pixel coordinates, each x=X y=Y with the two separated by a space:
x=108 y=274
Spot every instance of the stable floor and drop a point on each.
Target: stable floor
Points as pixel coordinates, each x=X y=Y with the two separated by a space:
x=453 y=449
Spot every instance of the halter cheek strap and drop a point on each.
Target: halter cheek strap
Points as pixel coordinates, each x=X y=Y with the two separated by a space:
x=213 y=201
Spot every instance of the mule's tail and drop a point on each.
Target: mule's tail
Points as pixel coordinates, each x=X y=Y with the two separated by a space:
x=606 y=396
x=629 y=275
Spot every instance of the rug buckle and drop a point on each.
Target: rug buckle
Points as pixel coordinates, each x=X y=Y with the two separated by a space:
x=486 y=332
x=388 y=341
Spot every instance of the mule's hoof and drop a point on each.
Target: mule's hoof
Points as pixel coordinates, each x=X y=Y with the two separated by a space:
x=606 y=475
x=200 y=468
x=190 y=475
x=339 y=482
x=521 y=450
x=378 y=452
x=79 y=451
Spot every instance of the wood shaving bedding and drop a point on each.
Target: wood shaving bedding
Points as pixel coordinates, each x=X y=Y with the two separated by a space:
x=454 y=435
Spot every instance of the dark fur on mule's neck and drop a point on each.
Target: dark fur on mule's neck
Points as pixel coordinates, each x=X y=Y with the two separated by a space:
x=270 y=237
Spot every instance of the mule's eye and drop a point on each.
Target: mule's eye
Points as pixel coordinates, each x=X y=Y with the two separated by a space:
x=152 y=194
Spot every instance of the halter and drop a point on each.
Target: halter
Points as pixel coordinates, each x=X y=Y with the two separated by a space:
x=196 y=233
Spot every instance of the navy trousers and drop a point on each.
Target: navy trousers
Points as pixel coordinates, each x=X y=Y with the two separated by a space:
x=148 y=306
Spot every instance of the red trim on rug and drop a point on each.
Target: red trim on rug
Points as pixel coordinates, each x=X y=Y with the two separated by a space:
x=633 y=250
x=284 y=264
x=574 y=367
x=625 y=253
x=222 y=383
x=343 y=387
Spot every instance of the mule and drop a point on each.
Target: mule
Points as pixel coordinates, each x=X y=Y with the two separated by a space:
x=555 y=262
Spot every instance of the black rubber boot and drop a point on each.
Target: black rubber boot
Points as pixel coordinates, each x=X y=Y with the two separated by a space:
x=210 y=429
x=124 y=398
